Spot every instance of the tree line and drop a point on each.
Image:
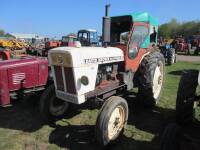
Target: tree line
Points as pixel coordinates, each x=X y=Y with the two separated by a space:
x=175 y=28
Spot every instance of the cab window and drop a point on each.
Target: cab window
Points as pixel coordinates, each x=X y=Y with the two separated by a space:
x=138 y=37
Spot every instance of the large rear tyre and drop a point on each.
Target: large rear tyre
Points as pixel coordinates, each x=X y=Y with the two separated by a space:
x=111 y=120
x=186 y=96
x=52 y=108
x=151 y=78
x=171 y=138
x=171 y=56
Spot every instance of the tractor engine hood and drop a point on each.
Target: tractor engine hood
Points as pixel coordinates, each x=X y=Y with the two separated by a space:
x=84 y=56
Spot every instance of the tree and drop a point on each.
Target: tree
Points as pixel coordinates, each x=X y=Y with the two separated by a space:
x=2 y=32
x=174 y=28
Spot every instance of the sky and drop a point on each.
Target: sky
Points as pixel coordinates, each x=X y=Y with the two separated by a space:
x=55 y=18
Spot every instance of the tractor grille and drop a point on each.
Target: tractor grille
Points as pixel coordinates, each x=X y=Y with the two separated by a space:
x=66 y=78
x=59 y=78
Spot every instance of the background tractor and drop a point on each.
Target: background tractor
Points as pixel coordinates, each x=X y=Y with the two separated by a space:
x=184 y=135
x=88 y=37
x=104 y=73
x=168 y=51
x=182 y=46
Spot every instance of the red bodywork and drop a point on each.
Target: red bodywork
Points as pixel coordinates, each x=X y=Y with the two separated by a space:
x=21 y=74
x=133 y=64
x=52 y=44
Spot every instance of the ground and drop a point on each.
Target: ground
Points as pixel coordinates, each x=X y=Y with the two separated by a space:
x=21 y=127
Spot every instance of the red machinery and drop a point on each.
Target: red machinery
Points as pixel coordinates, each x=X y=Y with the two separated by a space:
x=182 y=46
x=69 y=40
x=52 y=44
x=21 y=76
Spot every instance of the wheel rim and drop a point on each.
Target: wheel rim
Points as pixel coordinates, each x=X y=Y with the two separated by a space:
x=173 y=58
x=116 y=122
x=157 y=81
x=57 y=107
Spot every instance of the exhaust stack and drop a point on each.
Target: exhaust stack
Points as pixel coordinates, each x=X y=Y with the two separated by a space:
x=106 y=27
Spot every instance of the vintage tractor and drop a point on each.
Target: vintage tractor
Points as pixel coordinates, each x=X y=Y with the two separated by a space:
x=69 y=40
x=104 y=73
x=168 y=51
x=88 y=37
x=179 y=136
x=182 y=46
x=22 y=76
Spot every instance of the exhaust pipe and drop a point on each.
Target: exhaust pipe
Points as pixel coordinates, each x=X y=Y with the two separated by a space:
x=106 y=27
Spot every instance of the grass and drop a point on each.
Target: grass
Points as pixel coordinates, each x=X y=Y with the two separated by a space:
x=22 y=129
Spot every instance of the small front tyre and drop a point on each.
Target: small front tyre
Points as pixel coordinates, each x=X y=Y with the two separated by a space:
x=111 y=120
x=52 y=108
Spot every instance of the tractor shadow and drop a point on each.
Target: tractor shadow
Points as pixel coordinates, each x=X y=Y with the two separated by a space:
x=20 y=116
x=25 y=115
x=176 y=73
x=152 y=121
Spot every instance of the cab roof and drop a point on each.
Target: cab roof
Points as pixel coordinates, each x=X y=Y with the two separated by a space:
x=140 y=17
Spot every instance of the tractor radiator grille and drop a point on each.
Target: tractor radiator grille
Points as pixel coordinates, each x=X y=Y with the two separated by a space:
x=66 y=78
x=59 y=78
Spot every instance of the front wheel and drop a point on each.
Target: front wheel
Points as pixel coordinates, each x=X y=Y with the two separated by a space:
x=171 y=138
x=151 y=78
x=111 y=120
x=52 y=108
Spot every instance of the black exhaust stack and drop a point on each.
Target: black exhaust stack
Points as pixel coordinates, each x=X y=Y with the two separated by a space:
x=106 y=27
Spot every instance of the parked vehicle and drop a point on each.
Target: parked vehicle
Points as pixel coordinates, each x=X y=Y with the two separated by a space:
x=104 y=73
x=69 y=40
x=22 y=76
x=168 y=51
x=182 y=46
x=88 y=37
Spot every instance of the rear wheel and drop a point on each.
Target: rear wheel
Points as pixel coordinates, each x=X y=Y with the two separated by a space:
x=171 y=138
x=171 y=56
x=151 y=78
x=186 y=96
x=111 y=120
x=51 y=107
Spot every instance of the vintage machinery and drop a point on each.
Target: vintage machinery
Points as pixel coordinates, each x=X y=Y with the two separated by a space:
x=88 y=37
x=69 y=40
x=21 y=76
x=182 y=46
x=168 y=51
x=102 y=73
x=178 y=136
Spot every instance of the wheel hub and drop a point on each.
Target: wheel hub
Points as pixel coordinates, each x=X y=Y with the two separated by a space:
x=116 y=122
x=157 y=81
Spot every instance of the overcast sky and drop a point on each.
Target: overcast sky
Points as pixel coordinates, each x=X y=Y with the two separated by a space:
x=59 y=17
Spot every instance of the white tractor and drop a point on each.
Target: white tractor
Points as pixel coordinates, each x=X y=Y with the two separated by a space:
x=129 y=58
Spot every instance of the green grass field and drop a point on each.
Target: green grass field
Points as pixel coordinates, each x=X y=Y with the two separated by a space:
x=21 y=127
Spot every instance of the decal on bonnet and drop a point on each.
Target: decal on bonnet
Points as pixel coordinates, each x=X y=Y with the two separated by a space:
x=102 y=59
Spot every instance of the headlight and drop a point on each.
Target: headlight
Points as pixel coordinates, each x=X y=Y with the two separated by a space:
x=84 y=80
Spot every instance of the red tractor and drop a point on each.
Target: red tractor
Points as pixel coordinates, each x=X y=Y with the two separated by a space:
x=182 y=46
x=69 y=40
x=22 y=76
